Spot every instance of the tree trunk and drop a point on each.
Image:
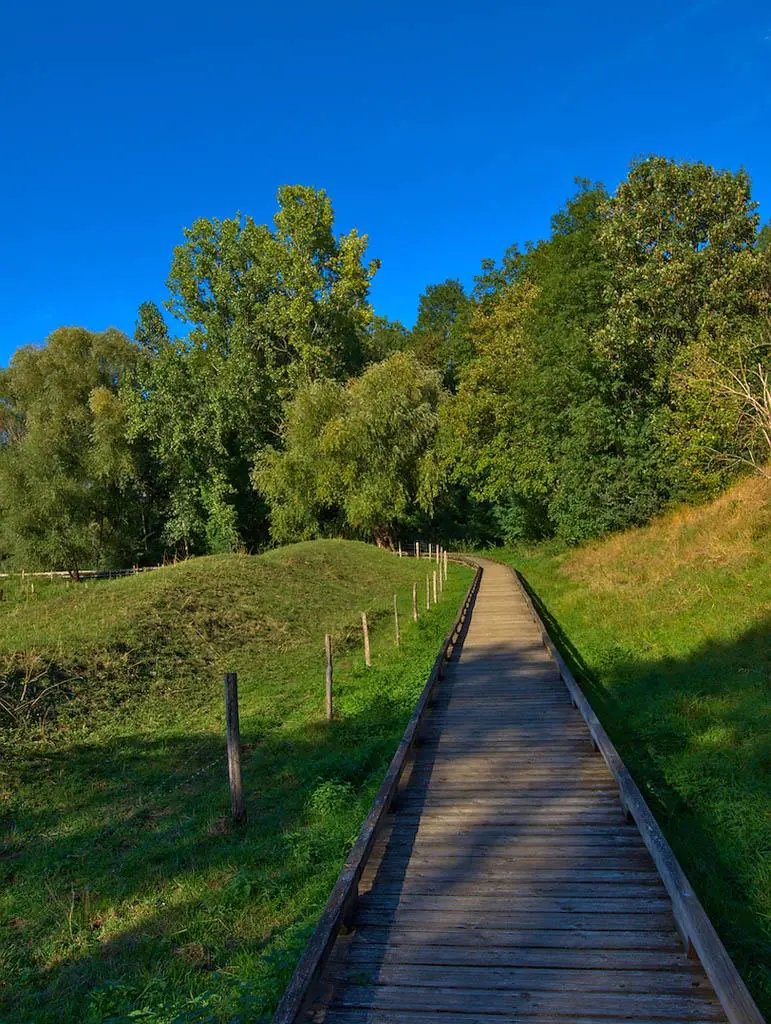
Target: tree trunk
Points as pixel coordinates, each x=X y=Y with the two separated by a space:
x=383 y=537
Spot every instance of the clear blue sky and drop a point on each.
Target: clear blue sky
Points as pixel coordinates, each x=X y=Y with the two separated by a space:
x=444 y=130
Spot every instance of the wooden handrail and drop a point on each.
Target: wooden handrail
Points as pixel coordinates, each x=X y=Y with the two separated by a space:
x=342 y=901
x=694 y=925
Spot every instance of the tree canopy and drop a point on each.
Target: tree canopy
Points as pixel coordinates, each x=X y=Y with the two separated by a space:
x=582 y=383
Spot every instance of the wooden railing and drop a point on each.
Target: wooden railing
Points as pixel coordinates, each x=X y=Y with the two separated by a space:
x=342 y=901
x=695 y=927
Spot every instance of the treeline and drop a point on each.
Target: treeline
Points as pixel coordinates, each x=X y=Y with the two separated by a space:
x=584 y=383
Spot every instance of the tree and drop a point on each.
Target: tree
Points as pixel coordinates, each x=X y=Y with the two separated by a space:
x=440 y=336
x=582 y=412
x=70 y=486
x=355 y=458
x=385 y=337
x=504 y=431
x=267 y=311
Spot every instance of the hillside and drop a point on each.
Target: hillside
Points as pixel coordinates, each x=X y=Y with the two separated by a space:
x=124 y=889
x=669 y=630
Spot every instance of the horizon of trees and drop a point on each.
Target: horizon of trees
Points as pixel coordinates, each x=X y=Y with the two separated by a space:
x=583 y=384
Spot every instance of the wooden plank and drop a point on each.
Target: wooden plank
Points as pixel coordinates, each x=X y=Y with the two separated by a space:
x=495 y=875
x=469 y=918
x=509 y=890
x=361 y=951
x=591 y=834
x=477 y=1016
x=407 y=997
x=499 y=903
x=479 y=795
x=527 y=859
x=490 y=978
x=534 y=935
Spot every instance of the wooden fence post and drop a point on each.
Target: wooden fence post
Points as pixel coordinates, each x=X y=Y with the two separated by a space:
x=234 y=748
x=428 y=593
x=396 y=623
x=328 y=652
x=434 y=586
x=400 y=549
x=417 y=549
x=445 y=566
x=437 y=554
x=415 y=601
x=441 y=579
x=365 y=631
x=430 y=556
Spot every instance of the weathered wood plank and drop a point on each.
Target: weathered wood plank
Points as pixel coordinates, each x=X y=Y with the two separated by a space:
x=492 y=877
x=471 y=918
x=500 y=903
x=361 y=951
x=511 y=889
x=477 y=1016
x=405 y=997
x=534 y=934
x=517 y=979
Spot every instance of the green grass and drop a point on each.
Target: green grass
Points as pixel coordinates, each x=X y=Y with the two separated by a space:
x=125 y=895
x=669 y=631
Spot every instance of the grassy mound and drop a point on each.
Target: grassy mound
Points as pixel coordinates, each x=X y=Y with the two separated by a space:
x=125 y=894
x=669 y=630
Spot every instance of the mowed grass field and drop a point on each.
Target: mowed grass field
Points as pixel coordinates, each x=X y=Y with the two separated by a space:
x=125 y=894
x=669 y=631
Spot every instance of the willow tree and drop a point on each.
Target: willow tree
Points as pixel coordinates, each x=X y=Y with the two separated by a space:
x=356 y=459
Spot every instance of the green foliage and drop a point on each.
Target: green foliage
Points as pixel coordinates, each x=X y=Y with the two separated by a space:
x=356 y=458
x=71 y=489
x=595 y=395
x=125 y=893
x=267 y=310
x=593 y=378
x=440 y=336
x=384 y=338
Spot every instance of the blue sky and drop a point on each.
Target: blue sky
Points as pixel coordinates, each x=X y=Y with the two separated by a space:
x=444 y=130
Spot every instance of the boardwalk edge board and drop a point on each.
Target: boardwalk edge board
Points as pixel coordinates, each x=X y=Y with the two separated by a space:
x=344 y=897
x=695 y=927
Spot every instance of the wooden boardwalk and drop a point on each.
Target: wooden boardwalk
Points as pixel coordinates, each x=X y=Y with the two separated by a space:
x=507 y=884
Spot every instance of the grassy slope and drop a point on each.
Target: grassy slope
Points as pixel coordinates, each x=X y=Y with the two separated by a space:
x=122 y=887
x=669 y=629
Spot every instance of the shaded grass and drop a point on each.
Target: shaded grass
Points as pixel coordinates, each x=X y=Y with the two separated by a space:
x=124 y=888
x=668 y=629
